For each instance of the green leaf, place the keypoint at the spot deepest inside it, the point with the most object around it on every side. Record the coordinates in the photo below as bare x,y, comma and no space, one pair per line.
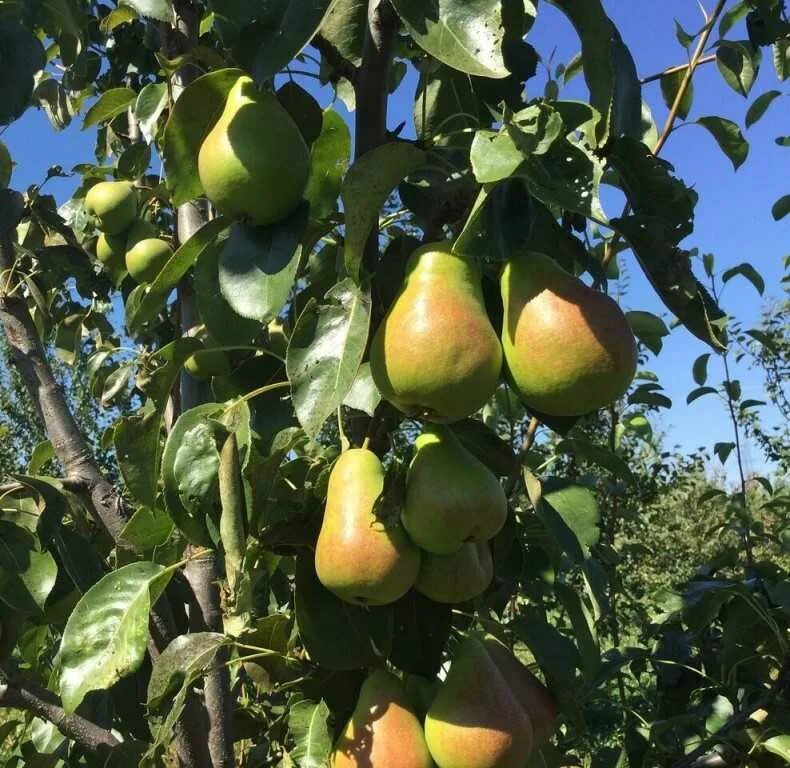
134,162
325,352
759,106
729,137
571,515
584,631
196,467
192,117
344,26
336,634
464,34
42,454
364,395
225,326
303,108
486,445
749,272
329,162
733,389
6,166
308,724
20,51
609,70
700,369
366,188
168,278
670,85
288,28
136,440
732,17
106,634
109,105
184,660
778,745
723,450
161,10
745,405
257,266
644,396
649,329
151,102
739,63
721,711
420,631
781,57
116,17
586,451
781,208
27,575
147,528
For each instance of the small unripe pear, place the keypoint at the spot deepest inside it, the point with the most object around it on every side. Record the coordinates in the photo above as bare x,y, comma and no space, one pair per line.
145,261
254,163
207,363
114,204
110,251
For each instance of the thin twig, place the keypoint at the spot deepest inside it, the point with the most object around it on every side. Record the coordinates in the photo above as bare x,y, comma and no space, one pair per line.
532,430
677,68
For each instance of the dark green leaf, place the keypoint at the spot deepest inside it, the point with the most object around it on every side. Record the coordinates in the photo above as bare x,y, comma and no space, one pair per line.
106,634
746,404
759,106
646,397
6,166
27,575
325,351
23,57
723,450
329,162
670,85
699,392
257,266
137,445
421,629
733,389
193,116
781,56
649,329
344,26
729,138
110,104
781,208
147,528
303,108
700,369
732,16
134,162
739,63
366,188
683,37
586,451
749,272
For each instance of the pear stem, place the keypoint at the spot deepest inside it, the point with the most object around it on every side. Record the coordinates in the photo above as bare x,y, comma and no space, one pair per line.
532,430
366,443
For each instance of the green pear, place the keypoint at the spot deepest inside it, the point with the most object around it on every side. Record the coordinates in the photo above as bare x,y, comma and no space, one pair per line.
436,355
458,577
110,251
383,731
141,229
568,348
476,719
205,364
145,260
114,204
451,497
360,558
254,163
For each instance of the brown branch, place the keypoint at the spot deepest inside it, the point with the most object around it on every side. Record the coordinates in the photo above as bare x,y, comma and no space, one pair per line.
342,66
529,438
677,68
21,694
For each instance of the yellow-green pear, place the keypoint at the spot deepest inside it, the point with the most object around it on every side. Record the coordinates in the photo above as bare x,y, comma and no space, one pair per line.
451,497
383,731
436,355
360,558
114,204
568,348
145,260
140,229
476,719
458,577
205,364
254,163
111,250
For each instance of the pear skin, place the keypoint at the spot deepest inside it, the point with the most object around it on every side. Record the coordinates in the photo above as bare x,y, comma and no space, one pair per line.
458,577
383,731
145,261
360,558
436,355
110,251
141,229
451,497
254,163
114,204
476,720
568,348
205,364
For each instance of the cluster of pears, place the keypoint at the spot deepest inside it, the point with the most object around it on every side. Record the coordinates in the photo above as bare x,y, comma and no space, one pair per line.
440,542
568,349
126,242
490,712
254,162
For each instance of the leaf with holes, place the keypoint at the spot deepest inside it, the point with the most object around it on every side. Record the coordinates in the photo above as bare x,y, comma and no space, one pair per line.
106,634
325,352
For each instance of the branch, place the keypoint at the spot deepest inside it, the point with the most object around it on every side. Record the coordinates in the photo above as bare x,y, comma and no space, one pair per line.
20,694
677,68
342,66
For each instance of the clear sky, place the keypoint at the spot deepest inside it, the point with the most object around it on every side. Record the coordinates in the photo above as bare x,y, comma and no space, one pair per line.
733,217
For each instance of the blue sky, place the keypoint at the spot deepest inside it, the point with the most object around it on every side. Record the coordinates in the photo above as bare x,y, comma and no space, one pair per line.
733,217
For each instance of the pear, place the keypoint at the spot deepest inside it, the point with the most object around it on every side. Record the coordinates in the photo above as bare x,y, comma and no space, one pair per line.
111,250
205,364
360,558
476,719
458,577
141,229
383,731
254,163
435,355
114,204
145,260
451,497
568,348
